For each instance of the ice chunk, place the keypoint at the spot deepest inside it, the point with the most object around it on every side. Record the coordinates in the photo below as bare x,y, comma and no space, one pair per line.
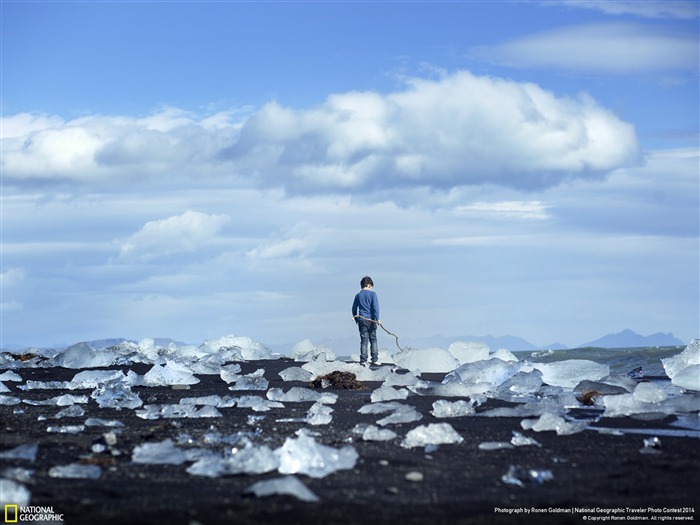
374,433
61,401
550,421
432,434
380,408
300,395
286,485
688,378
172,411
444,408
319,414
212,400
304,456
10,376
520,440
71,411
504,355
492,372
160,453
76,470
3,387
521,384
403,414
250,459
296,373
257,403
94,378
571,372
688,357
230,373
115,394
9,400
249,350
26,451
649,393
13,493
66,429
171,373
468,352
97,422
306,351
388,393
451,389
82,355
253,381
426,360
401,379
495,445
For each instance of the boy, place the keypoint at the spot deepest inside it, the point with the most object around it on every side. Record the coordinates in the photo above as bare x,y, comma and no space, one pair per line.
365,312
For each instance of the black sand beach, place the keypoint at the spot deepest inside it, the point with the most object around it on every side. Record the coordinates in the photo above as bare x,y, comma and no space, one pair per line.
595,475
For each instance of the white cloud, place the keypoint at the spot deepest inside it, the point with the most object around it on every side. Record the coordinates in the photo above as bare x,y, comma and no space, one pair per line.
682,9
614,48
458,131
177,234
12,277
506,209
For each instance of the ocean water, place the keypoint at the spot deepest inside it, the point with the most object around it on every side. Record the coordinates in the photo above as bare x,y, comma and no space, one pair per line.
620,360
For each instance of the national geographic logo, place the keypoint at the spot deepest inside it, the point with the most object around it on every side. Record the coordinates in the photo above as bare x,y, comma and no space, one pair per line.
17,514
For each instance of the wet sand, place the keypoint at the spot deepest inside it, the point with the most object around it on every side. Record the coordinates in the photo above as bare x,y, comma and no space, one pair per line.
458,483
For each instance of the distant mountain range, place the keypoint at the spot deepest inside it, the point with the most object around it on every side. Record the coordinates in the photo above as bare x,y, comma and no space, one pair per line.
349,345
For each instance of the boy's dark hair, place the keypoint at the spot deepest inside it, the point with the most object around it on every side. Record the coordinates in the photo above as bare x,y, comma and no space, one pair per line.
366,281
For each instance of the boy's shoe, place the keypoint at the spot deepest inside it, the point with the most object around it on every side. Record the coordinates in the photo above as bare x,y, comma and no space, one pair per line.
365,364
376,363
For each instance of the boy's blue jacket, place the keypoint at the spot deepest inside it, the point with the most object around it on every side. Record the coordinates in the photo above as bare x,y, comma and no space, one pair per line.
366,304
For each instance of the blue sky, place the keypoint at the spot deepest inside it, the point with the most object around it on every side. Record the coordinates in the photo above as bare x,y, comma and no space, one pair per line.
197,169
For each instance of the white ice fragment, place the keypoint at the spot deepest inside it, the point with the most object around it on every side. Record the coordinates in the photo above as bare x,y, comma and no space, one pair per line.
83,355
94,378
379,408
374,433
171,373
306,351
571,372
115,394
495,445
469,351
304,456
550,421
160,453
71,411
257,403
426,360
504,355
649,393
296,373
491,372
520,440
444,408
521,384
26,451
76,470
388,393
319,414
9,400
230,373
253,381
688,357
404,379
249,350
97,422
212,400
688,378
403,414
432,434
10,376
65,429
286,485
13,493
300,395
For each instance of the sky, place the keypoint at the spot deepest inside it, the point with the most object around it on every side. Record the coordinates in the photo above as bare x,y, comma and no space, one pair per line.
197,169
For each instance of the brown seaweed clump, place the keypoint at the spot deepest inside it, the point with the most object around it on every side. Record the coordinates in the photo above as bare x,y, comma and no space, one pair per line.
337,379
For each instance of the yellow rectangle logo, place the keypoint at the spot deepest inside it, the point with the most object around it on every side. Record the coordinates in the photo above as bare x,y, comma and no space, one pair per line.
11,513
